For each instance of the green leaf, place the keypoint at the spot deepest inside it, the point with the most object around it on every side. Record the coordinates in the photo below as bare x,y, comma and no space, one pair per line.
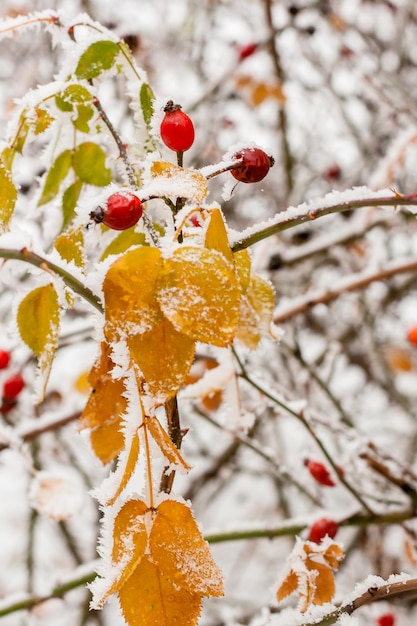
69,201
98,57
40,305
73,94
8,197
90,164
123,242
55,176
85,113
70,246
146,98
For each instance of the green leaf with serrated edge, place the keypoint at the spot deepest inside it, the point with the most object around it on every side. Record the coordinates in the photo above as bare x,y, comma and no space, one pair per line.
98,57
146,98
40,305
89,164
84,114
69,201
70,246
55,176
8,197
42,121
123,242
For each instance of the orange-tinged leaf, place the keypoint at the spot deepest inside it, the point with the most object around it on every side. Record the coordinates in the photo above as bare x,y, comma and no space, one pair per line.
175,181
167,447
149,598
243,266
70,246
199,293
323,586
333,555
131,306
42,306
256,311
164,357
180,551
129,461
216,235
398,359
130,539
104,408
288,586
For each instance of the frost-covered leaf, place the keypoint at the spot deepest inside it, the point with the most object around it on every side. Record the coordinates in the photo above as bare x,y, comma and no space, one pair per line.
146,98
165,444
164,357
69,201
130,538
256,311
40,305
172,180
131,305
216,235
150,598
243,267
104,409
42,121
55,496
89,162
181,552
132,448
99,57
8,197
125,240
71,96
288,586
56,174
199,294
70,246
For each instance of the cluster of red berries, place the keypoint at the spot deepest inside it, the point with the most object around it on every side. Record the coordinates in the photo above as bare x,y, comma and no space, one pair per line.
12,386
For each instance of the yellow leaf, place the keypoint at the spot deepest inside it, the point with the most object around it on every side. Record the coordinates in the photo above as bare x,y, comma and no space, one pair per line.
199,293
125,240
42,307
70,246
180,551
131,306
256,311
398,359
149,598
288,586
167,447
164,357
129,462
104,408
175,181
8,197
243,266
216,235
130,539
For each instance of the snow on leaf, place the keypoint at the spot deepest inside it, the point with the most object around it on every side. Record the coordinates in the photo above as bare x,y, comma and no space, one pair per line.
256,311
149,598
199,294
8,197
89,162
99,56
172,180
104,408
55,496
42,305
216,235
243,267
288,586
131,306
180,551
130,539
130,461
56,174
167,447
164,357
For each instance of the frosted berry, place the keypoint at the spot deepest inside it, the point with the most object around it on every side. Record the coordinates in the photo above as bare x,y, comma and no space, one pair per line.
320,473
4,359
387,619
123,210
254,166
13,386
412,335
177,128
321,528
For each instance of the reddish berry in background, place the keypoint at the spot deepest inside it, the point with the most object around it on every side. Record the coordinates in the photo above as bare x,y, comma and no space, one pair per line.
320,473
247,51
123,210
12,386
387,619
321,528
4,359
177,128
255,165
412,335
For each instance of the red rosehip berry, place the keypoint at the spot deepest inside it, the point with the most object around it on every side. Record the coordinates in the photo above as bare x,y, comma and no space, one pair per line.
254,166
321,528
12,387
177,128
123,210
4,359
320,473
412,336
246,51
387,619
333,172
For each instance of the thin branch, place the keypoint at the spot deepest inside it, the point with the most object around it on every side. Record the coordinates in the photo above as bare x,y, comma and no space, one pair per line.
353,282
